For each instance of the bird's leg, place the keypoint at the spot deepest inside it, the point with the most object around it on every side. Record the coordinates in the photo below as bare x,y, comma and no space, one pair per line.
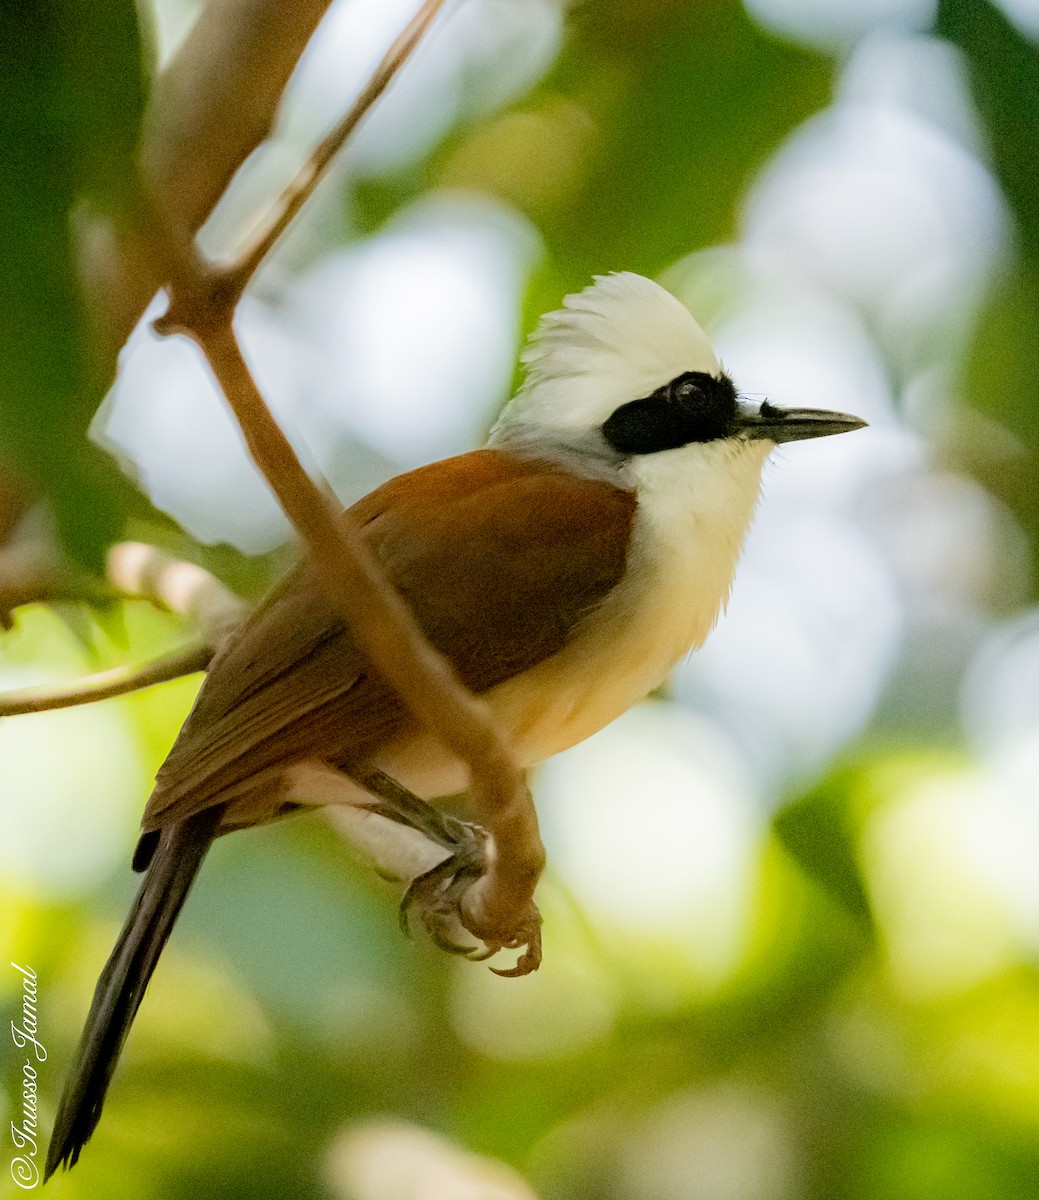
438,893
397,803
406,838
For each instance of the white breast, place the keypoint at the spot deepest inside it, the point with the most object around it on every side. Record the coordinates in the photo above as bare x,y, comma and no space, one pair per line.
695,505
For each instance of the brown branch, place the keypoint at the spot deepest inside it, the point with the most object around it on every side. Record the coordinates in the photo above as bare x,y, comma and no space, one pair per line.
498,907
217,99
119,681
211,107
386,631
185,167
34,573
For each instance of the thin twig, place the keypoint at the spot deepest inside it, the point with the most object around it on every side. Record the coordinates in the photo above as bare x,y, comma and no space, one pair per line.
119,681
141,572
34,573
296,193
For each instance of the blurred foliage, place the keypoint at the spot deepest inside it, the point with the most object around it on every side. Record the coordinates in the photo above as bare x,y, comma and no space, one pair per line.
664,92
835,1059
1004,368
70,110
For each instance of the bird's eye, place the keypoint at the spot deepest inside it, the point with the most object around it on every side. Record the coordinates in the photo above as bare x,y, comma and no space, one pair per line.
694,407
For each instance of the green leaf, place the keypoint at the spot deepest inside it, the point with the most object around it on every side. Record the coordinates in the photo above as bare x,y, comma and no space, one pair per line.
70,110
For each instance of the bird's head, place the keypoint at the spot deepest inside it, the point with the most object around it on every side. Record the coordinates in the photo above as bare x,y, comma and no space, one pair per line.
623,371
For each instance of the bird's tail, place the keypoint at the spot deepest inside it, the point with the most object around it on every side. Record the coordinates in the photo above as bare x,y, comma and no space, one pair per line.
119,991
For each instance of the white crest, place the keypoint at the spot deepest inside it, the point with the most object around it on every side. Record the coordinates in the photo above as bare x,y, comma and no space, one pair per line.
618,340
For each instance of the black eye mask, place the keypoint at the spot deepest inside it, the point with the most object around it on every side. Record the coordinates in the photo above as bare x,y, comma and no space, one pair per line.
694,407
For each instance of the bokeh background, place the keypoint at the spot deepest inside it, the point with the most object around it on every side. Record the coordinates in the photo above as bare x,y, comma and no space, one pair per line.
792,906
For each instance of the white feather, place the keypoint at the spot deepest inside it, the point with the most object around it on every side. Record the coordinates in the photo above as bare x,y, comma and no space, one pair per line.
618,340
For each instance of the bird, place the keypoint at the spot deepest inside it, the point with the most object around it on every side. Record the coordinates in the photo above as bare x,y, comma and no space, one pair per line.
563,569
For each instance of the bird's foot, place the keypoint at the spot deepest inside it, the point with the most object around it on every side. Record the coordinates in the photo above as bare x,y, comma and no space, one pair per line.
437,897
443,897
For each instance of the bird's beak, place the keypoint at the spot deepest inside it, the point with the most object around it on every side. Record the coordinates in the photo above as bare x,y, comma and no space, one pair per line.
765,421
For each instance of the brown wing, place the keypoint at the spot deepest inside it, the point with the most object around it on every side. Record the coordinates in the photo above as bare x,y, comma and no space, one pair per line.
499,558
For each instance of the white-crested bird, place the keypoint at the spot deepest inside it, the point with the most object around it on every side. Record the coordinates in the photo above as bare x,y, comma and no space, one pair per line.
563,570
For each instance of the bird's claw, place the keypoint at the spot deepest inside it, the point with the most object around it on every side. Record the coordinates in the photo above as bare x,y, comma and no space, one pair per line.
529,936
436,895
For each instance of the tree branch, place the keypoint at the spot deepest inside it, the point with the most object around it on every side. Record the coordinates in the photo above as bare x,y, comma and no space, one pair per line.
297,192
387,633
217,99
210,108
119,681
498,907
